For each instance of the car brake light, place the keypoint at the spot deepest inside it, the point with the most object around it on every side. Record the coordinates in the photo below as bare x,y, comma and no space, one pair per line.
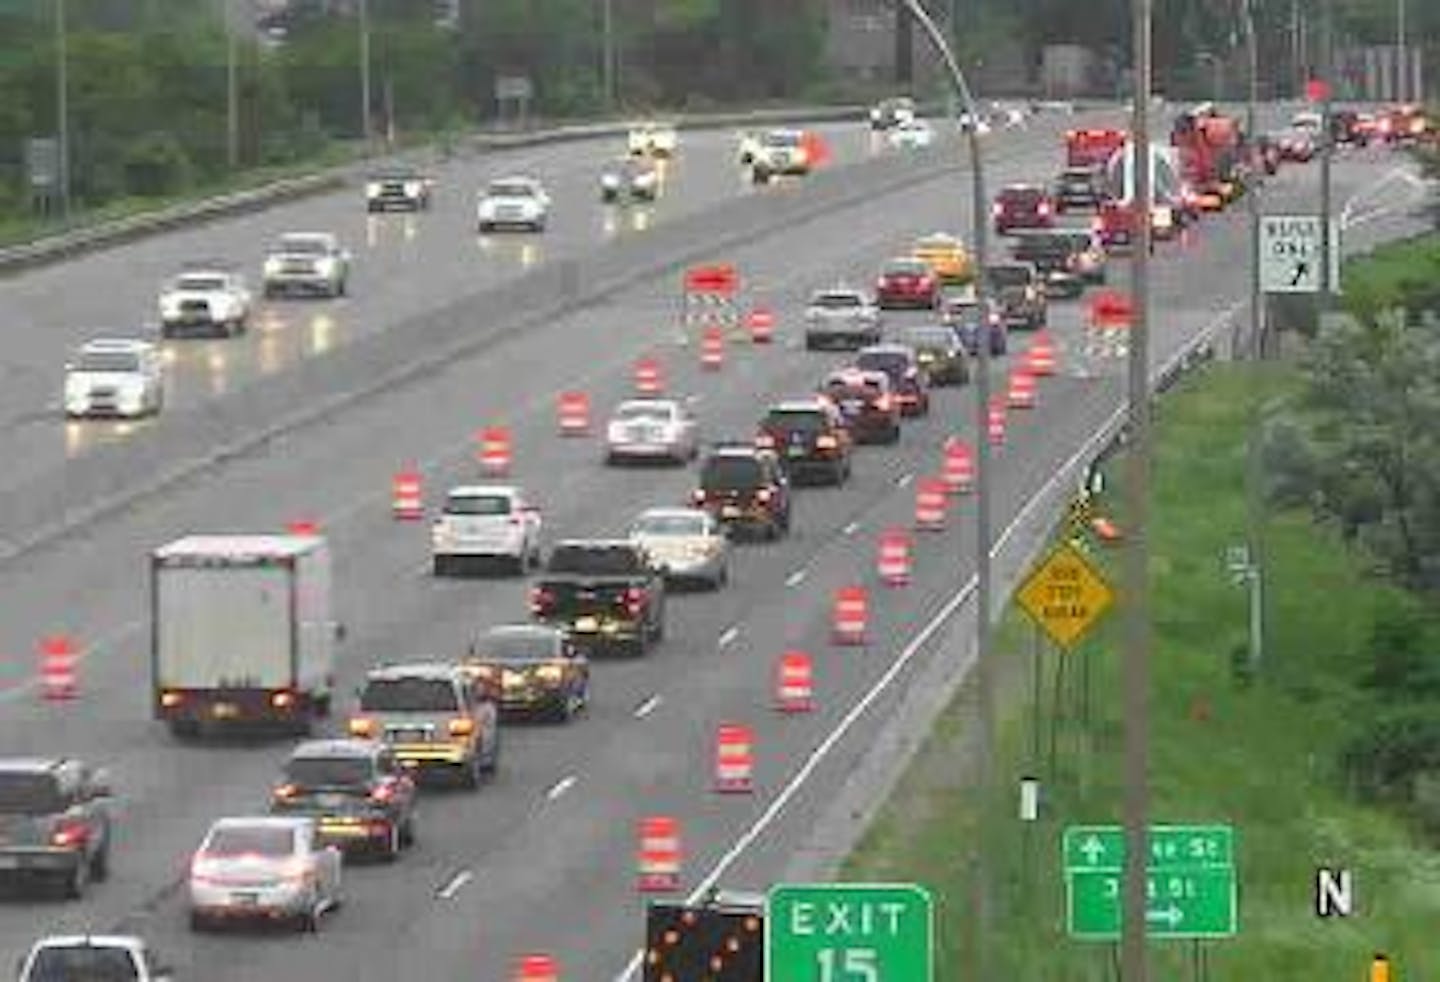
282,700
383,793
462,726
1043,208
541,600
699,495
286,792
998,208
634,599
171,699
361,726
826,442
883,403
765,441
763,495
70,835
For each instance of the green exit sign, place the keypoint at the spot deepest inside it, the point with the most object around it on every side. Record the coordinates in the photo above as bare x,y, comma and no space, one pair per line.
849,932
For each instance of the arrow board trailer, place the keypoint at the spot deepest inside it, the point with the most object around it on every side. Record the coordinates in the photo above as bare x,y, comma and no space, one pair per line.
242,631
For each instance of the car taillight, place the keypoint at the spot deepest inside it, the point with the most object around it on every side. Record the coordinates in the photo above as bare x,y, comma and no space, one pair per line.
361,726
997,209
286,792
171,699
698,495
282,700
70,835
1097,223
765,441
634,599
883,404
384,792
461,726
541,600
1043,208
826,442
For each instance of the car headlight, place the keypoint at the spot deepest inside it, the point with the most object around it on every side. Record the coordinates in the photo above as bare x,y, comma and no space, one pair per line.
372,190
1164,217
610,181
412,189
272,264
549,673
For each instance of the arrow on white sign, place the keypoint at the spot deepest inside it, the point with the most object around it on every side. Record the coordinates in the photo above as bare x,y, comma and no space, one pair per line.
1171,916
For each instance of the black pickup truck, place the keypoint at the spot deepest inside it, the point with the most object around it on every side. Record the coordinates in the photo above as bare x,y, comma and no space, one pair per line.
1054,255
605,592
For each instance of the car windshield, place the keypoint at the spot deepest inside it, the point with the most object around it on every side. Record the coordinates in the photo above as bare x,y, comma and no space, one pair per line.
782,139
29,794
107,361
1022,196
259,840
1077,176
892,363
516,646
598,560
648,411
937,244
836,301
205,283
477,504
1004,276
395,177
929,337
82,963
906,267
731,473
408,695
303,246
789,420
329,772
511,189
669,524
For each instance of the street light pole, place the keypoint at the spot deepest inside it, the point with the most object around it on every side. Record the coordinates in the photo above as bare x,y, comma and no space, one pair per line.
607,53
365,123
1327,148
1402,88
232,95
1254,512
62,109
1137,634
983,539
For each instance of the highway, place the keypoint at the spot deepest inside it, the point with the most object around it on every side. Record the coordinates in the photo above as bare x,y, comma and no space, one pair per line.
542,859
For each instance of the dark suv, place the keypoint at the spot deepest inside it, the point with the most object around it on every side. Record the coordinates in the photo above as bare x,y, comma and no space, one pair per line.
355,790
867,403
54,823
907,381
1078,187
1022,206
745,487
1020,293
810,436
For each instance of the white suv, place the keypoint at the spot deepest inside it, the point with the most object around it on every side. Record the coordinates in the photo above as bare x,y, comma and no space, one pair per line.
653,139
114,377
513,202
206,300
307,262
483,522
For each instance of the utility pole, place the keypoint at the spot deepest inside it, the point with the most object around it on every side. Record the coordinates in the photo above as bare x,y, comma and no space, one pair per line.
62,109
607,53
1402,88
1137,633
232,94
1254,500
1327,146
365,123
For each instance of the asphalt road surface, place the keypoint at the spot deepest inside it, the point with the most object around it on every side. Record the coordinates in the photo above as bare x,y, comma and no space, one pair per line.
543,858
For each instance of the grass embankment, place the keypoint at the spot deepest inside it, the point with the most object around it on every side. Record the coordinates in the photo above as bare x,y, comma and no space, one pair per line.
1262,757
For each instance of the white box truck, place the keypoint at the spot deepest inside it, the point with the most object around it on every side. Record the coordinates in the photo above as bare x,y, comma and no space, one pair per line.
242,631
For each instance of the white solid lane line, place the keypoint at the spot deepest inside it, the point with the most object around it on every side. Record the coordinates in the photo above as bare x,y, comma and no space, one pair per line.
911,649
647,707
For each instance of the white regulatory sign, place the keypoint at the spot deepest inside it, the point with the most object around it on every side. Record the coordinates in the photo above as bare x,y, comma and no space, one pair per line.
1290,254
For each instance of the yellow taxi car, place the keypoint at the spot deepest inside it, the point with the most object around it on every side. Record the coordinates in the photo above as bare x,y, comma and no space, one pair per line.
946,256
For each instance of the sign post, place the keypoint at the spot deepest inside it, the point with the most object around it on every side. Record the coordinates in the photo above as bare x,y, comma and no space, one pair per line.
842,932
1190,882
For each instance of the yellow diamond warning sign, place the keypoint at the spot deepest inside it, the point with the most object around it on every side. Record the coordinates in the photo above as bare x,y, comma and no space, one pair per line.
1065,596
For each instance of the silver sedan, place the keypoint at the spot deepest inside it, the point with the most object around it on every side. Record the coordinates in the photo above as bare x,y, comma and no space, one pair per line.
686,544
652,430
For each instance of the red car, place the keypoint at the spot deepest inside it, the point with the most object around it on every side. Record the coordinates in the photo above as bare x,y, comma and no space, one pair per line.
907,282
1023,206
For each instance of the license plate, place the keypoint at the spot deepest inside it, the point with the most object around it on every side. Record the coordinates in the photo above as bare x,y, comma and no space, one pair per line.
331,800
225,710
730,511
852,406
587,624
245,899
797,451
9,862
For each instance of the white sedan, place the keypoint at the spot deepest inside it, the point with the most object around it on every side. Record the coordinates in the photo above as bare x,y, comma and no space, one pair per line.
651,429
265,868
119,377
514,203
685,543
912,134
205,299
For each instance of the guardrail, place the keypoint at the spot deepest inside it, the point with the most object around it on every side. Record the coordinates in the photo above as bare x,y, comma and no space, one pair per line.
55,248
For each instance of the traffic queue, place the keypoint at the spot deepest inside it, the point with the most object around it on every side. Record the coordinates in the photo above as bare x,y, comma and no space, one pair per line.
243,626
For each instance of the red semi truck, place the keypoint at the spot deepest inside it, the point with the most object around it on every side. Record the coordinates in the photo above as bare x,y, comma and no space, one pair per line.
1210,151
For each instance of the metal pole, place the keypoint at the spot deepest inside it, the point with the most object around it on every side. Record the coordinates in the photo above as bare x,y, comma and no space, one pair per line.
62,108
1402,90
365,125
1254,511
232,95
1327,148
983,538
1136,658
607,53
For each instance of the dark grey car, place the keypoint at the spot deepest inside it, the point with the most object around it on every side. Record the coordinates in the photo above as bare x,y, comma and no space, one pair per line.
54,823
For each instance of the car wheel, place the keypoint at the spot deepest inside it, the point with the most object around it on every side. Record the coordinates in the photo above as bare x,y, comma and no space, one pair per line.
407,831
491,761
308,921
440,566
472,774
394,842
722,578
520,564
810,344
199,923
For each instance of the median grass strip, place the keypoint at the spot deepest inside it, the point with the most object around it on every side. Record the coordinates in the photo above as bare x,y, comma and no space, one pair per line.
1260,756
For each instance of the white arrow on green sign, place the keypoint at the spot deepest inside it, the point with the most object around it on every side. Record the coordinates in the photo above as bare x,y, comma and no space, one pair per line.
1190,881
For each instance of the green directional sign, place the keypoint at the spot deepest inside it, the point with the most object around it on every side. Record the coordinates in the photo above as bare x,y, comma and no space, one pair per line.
849,932
1189,883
